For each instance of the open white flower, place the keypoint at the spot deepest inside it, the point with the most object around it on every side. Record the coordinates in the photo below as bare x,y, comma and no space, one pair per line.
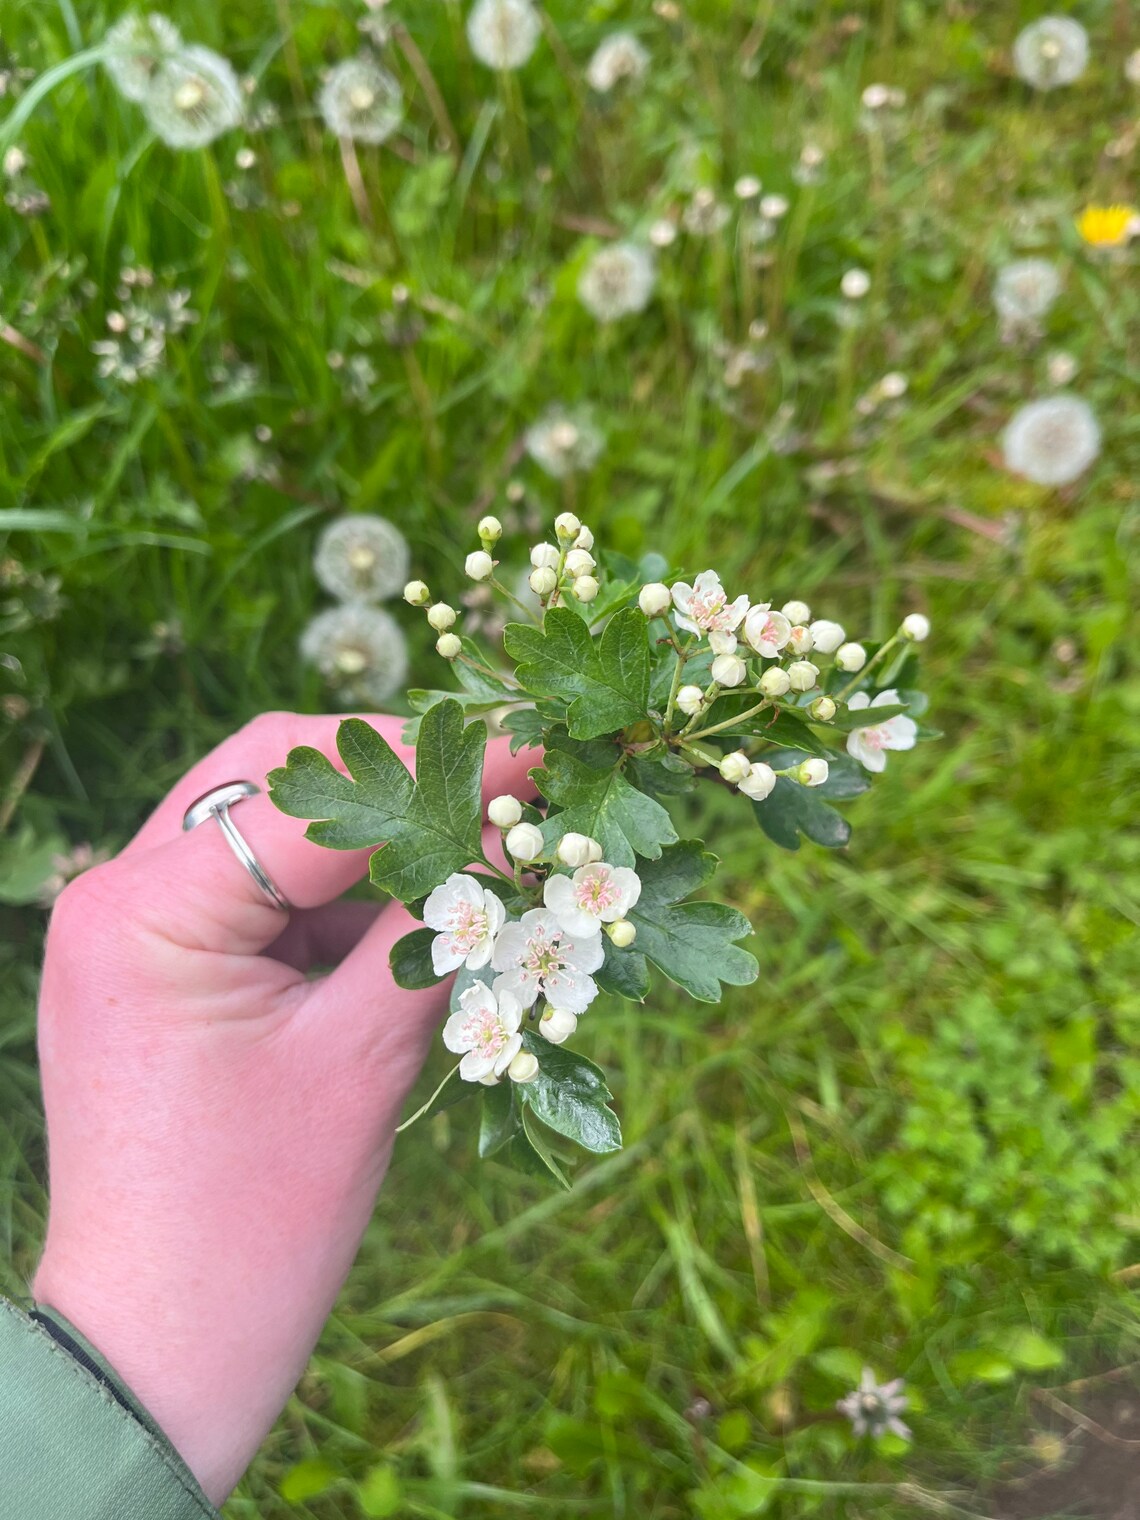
704,606
874,1408
537,958
485,1031
467,918
593,896
869,745
767,631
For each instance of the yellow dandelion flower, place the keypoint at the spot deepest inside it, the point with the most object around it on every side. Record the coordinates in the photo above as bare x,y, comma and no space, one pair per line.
1106,226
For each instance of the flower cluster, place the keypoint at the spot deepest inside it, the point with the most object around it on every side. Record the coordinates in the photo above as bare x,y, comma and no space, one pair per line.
358,647
138,327
189,93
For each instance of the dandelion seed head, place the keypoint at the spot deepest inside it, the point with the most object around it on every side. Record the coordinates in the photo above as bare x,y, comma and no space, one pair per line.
617,282
1052,441
705,216
360,99
564,443
362,558
618,57
1050,52
503,33
1025,290
137,47
194,97
361,651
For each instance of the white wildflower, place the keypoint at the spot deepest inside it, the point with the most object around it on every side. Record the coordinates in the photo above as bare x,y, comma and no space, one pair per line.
723,643
796,612
449,645
538,958
747,187
544,557
593,896
800,639
704,607
490,531
503,33
775,682
466,918
826,636
759,782
855,284
766,631
135,50
564,443
578,849
360,99
1052,441
773,207
485,1031
1025,290
1061,368
195,97
358,649
916,626
663,233
542,581
729,670
851,657
813,772
441,617
803,675
869,745
705,216
524,842
361,558
416,593
874,1408
556,1025
690,699
617,282
618,56
505,811
1050,52
585,588
479,566
735,766
524,1067
893,386
654,599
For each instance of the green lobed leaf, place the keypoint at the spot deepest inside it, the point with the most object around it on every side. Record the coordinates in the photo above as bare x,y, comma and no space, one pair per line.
529,1151
623,973
500,1121
693,943
793,810
430,826
525,728
410,961
606,679
601,803
570,1096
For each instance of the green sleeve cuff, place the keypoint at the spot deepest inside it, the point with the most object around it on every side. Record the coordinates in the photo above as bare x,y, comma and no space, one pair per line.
71,1445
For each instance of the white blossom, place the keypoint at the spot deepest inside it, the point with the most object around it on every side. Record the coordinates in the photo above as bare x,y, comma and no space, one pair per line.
1025,290
543,581
773,207
1052,441
441,617
874,1408
544,557
360,650
654,599
362,558
490,530
479,565
690,699
855,284
585,588
503,33
362,100
1051,51
564,443
567,526
775,682
803,675
579,562
868,745
195,97
796,612
449,645
800,640
556,1025
851,657
916,626
704,607
735,766
537,958
893,386
826,636
729,670
136,48
617,282
766,631
524,842
466,918
813,772
622,933
747,187
618,56
485,1031
578,850
505,811
823,709
759,782
524,1067
595,895
416,594
723,643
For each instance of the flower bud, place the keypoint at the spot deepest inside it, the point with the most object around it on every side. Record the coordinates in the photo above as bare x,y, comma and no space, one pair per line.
448,645
759,781
585,539
796,612
441,617
722,643
585,588
543,581
490,530
735,767
575,850
855,284
595,853
524,842
490,1080
775,682
812,772
729,670
524,1067
556,1025
655,599
690,699
851,657
566,525
579,562
479,566
622,933
822,709
825,636
915,626
416,594
505,811
800,640
803,675
544,557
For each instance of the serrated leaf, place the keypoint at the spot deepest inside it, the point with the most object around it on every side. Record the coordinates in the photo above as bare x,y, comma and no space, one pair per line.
525,728
624,973
529,1151
793,810
410,961
606,679
663,775
430,826
500,1121
603,805
693,943
846,722
570,1096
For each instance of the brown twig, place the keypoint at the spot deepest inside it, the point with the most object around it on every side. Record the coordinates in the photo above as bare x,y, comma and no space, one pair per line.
17,340
419,67
1083,1421
356,182
21,782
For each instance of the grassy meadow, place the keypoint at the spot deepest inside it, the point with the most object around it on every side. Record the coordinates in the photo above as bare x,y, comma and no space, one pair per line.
912,1144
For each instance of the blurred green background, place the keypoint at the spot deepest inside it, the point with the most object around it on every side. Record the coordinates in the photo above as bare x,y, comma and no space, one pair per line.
911,1144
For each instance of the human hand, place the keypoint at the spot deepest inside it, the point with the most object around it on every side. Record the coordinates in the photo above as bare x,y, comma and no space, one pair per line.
219,1124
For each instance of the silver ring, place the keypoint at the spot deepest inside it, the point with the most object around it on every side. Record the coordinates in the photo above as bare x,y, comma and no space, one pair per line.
217,804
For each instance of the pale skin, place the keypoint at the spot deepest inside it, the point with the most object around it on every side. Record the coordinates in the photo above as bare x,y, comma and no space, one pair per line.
219,1124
